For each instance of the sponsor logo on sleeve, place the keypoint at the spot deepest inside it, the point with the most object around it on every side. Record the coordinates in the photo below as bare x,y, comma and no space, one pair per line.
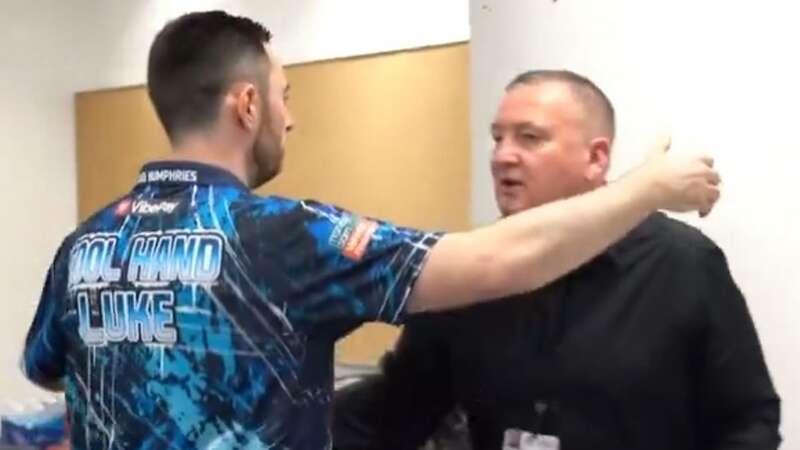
352,235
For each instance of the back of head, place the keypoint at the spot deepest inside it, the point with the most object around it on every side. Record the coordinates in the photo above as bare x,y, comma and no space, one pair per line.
598,107
193,60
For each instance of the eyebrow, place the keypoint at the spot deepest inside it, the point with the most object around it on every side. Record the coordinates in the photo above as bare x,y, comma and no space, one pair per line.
515,125
530,126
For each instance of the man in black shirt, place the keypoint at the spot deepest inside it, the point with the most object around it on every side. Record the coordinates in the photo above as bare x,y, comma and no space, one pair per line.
648,346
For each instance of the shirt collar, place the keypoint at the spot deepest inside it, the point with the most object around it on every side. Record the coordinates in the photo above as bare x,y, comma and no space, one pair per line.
187,172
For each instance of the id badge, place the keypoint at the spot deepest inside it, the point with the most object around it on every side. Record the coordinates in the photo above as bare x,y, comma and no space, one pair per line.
522,440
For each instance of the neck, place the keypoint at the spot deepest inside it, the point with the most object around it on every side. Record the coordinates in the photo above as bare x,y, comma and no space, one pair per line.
206,151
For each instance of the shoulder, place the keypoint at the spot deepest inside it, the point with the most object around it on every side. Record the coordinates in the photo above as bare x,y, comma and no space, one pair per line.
681,235
107,218
689,243
671,238
276,206
305,226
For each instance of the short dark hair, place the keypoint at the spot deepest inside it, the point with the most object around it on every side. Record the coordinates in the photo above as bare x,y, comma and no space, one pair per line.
192,61
592,97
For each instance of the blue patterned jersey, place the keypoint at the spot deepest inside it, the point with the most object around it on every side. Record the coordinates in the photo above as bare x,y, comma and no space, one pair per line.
194,314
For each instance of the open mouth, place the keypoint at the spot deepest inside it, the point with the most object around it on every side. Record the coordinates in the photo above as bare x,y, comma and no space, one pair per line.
508,183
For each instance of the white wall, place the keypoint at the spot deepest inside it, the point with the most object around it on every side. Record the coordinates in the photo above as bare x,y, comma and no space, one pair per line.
116,43
37,191
50,49
720,74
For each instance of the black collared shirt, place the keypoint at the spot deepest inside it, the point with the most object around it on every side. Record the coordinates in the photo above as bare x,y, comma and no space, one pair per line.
649,346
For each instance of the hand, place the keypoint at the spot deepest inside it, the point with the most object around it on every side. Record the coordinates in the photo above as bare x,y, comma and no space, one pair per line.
680,182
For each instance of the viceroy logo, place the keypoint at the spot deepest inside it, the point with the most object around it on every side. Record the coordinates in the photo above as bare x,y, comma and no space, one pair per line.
150,208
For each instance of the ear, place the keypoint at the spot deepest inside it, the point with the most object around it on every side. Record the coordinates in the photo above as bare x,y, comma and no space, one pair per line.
599,157
247,108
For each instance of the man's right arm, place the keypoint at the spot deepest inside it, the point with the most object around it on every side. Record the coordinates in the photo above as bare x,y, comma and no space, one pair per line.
43,359
528,250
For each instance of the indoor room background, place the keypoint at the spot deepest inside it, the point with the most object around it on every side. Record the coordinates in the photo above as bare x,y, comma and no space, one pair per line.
717,75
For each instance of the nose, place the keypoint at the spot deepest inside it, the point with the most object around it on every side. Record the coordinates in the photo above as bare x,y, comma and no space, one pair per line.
504,153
